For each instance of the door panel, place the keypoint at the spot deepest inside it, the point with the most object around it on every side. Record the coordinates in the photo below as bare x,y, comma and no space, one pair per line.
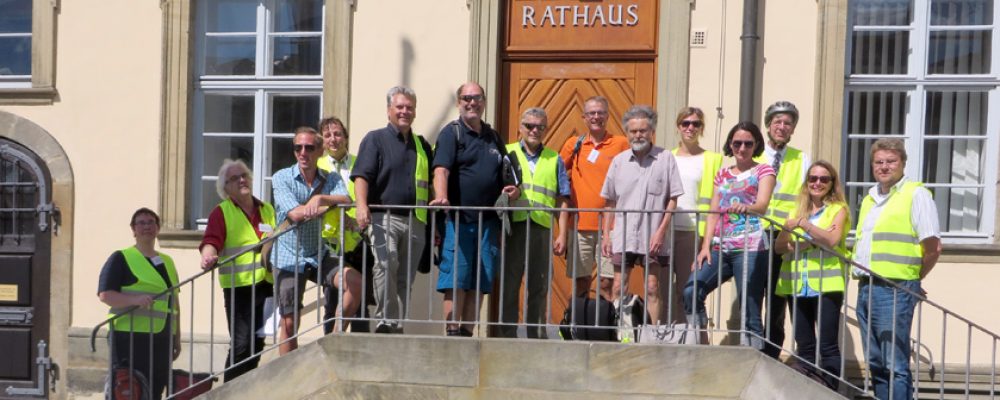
561,88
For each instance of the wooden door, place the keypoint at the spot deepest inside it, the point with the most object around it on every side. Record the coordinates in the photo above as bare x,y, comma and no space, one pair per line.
561,88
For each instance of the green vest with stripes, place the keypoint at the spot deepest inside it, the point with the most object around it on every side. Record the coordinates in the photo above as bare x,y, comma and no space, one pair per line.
331,220
896,252
539,188
246,269
422,178
824,272
149,282
786,191
711,164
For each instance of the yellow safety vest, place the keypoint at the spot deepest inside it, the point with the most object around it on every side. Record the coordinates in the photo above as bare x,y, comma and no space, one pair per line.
149,282
422,178
896,252
540,188
824,271
331,220
789,183
247,268
711,164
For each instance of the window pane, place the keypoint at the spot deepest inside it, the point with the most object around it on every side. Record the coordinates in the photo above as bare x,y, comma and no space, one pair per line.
231,15
854,196
956,113
961,12
230,55
297,55
290,112
217,149
229,114
959,209
298,16
859,161
16,16
880,52
959,162
876,113
15,55
280,149
882,12
209,198
959,52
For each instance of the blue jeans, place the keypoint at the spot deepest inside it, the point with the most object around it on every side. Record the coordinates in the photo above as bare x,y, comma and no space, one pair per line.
707,279
888,343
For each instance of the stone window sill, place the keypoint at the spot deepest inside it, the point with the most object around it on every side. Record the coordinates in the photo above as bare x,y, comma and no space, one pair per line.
180,239
28,96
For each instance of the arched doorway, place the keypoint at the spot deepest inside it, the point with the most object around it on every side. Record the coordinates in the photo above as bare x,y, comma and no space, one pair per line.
26,221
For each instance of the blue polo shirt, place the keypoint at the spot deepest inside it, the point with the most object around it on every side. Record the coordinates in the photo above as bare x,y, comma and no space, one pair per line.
474,163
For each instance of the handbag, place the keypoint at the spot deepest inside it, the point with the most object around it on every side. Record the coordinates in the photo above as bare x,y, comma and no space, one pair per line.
676,333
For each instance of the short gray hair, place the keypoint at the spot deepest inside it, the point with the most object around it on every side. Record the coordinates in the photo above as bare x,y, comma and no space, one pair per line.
536,112
403,90
220,184
640,112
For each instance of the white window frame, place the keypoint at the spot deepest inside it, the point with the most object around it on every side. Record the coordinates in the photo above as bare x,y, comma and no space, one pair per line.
20,81
262,86
917,83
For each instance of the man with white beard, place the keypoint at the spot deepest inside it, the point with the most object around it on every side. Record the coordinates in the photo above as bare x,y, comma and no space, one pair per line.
645,178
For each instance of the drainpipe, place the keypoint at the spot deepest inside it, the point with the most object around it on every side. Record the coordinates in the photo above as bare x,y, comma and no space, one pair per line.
748,61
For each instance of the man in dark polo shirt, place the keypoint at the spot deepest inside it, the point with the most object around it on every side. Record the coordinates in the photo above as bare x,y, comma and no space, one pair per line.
467,172
393,168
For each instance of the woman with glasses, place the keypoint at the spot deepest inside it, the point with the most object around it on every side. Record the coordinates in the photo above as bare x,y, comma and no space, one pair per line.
739,247
697,167
813,278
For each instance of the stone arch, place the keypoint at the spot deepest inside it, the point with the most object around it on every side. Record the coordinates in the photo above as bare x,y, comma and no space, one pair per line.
38,140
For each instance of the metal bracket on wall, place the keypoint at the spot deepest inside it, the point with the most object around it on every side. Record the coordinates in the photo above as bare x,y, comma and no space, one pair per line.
44,365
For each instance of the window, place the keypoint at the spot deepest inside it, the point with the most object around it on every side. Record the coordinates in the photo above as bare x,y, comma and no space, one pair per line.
925,71
258,77
15,43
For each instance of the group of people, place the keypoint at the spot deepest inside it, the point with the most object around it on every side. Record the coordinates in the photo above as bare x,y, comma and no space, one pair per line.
658,204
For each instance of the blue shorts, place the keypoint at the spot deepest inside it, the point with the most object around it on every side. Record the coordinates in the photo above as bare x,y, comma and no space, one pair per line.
465,278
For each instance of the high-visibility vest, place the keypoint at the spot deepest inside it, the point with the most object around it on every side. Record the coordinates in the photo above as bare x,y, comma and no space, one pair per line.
823,271
331,220
896,252
539,188
422,179
711,164
789,183
148,282
247,268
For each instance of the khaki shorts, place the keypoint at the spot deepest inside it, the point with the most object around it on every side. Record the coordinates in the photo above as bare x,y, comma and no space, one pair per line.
588,252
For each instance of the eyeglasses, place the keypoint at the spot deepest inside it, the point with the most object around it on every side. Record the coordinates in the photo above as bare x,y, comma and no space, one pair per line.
880,163
236,178
309,148
696,124
595,113
531,127
824,179
470,97
741,143
144,223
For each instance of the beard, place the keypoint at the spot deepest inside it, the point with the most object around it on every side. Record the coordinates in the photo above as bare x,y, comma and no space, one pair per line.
640,145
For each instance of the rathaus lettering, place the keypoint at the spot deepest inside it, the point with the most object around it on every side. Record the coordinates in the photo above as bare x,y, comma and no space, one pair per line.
559,16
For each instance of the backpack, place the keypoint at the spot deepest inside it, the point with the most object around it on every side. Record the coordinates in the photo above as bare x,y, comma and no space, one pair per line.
592,320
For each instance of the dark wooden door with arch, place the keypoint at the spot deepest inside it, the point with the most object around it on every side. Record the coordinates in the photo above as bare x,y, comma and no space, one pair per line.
25,241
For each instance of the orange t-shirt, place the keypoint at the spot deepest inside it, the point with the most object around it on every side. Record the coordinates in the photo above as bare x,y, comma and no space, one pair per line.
587,172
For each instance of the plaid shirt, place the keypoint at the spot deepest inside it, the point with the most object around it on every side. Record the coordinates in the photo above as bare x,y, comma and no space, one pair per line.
290,191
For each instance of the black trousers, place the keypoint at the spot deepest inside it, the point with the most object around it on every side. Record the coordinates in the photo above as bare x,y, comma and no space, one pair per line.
244,316
776,306
819,316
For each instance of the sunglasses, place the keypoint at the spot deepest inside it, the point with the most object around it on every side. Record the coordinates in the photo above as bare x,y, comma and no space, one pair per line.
696,124
309,148
470,97
824,179
531,127
742,143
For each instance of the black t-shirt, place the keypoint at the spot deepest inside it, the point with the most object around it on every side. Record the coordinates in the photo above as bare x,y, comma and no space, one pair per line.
116,274
474,163
388,163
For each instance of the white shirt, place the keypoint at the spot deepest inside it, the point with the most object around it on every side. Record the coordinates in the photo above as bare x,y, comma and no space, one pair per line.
923,216
691,172
769,153
342,167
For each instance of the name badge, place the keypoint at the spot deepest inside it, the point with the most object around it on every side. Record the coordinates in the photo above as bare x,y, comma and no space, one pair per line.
265,228
592,157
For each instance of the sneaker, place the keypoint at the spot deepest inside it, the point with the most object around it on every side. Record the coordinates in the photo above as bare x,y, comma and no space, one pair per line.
383,328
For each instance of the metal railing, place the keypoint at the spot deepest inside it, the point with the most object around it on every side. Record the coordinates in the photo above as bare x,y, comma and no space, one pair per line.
979,346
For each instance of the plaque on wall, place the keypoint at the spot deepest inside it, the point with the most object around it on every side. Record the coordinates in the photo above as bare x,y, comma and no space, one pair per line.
581,25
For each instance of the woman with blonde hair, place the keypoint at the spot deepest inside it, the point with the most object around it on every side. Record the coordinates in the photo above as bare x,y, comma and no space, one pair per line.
813,277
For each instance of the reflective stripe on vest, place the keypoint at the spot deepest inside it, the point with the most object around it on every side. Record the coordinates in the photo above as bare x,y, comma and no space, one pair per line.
246,269
331,220
539,188
825,272
422,178
148,281
896,252
711,164
786,191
